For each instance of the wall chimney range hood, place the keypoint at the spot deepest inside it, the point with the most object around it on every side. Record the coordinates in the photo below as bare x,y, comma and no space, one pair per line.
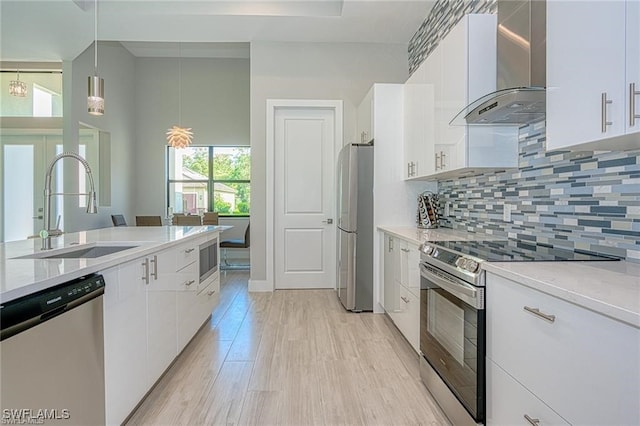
521,80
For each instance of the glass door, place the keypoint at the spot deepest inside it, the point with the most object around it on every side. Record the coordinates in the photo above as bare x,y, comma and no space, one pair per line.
24,160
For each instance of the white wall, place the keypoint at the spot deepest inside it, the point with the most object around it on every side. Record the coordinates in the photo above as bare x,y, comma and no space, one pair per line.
215,104
117,66
342,71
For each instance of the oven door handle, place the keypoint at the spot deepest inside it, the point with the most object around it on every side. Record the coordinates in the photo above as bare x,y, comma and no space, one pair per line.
462,291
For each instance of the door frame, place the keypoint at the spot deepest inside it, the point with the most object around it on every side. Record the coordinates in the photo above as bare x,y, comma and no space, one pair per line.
272,106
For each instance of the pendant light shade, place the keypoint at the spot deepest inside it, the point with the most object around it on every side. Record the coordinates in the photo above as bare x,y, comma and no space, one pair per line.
17,87
178,136
95,98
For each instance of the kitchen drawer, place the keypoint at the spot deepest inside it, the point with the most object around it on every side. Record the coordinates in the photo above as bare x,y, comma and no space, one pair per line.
508,402
208,299
188,278
408,318
187,254
583,365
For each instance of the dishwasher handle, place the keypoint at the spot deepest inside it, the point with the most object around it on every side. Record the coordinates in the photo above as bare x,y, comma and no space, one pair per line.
28,311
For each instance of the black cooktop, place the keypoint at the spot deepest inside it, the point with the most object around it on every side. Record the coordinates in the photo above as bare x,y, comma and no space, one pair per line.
519,251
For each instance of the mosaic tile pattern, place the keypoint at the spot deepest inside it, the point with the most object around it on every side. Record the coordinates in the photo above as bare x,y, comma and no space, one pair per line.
576,200
444,15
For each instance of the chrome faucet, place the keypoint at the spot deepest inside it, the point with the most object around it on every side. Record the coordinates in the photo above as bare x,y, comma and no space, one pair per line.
92,205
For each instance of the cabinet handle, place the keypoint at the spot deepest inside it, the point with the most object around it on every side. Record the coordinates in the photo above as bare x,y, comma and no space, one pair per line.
404,299
409,169
145,265
533,422
437,161
188,283
154,274
442,157
536,312
189,250
405,250
211,292
390,244
414,170
605,101
632,104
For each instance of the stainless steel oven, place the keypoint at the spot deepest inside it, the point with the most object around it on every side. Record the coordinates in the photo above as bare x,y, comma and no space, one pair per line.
452,334
452,316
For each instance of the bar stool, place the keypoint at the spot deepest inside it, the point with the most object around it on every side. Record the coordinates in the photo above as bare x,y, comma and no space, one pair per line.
118,220
148,221
235,244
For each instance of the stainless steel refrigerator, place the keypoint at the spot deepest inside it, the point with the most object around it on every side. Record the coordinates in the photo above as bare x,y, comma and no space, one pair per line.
355,227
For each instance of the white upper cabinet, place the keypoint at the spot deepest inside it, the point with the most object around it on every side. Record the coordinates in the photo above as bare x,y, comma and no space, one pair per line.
365,119
419,118
461,69
592,64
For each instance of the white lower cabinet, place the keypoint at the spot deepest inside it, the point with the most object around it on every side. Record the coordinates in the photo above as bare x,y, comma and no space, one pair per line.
125,340
152,309
161,314
510,403
583,365
402,287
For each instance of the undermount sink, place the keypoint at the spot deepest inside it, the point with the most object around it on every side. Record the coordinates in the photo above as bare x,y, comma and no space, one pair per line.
86,251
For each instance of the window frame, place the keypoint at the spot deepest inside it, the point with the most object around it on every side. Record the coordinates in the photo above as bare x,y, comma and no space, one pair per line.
210,182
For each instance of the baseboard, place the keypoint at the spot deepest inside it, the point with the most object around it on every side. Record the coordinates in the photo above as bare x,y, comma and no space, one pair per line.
260,285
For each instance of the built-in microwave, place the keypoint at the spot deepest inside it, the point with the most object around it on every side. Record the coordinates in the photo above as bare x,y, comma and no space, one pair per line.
208,259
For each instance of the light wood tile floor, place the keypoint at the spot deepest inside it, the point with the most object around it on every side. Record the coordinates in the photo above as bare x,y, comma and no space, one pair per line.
293,357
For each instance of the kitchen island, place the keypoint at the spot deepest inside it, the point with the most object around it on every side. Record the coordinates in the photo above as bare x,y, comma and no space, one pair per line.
160,285
20,277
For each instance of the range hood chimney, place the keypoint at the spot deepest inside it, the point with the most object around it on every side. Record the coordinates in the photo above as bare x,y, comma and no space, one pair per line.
520,97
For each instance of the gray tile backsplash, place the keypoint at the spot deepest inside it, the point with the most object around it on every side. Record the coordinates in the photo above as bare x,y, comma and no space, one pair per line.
444,15
577,200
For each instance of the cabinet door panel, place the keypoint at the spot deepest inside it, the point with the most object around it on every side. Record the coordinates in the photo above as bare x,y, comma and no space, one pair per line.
633,62
125,334
162,329
390,300
584,60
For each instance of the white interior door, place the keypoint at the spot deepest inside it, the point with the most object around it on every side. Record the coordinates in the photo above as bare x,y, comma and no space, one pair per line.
304,238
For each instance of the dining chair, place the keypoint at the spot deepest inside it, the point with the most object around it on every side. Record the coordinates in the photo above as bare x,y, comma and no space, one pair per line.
188,220
118,220
148,221
210,218
235,244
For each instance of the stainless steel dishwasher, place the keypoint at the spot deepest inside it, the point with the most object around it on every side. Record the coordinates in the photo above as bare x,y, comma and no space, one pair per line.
52,356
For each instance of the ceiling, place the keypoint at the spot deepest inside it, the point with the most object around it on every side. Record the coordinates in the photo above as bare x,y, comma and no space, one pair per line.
54,30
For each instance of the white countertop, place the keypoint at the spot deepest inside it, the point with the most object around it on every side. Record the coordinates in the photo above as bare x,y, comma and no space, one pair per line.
609,288
20,277
418,236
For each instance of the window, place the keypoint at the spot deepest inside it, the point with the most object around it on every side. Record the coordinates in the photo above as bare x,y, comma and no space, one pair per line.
42,102
209,178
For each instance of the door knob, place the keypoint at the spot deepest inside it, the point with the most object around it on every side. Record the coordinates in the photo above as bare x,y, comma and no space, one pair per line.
329,221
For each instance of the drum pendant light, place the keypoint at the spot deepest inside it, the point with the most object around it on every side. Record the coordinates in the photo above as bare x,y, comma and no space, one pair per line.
178,136
17,87
95,99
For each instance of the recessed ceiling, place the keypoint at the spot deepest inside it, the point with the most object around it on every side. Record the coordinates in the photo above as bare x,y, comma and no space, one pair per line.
54,30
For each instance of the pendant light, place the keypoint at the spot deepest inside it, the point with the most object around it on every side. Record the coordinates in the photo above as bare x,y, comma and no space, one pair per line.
95,99
178,136
17,87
